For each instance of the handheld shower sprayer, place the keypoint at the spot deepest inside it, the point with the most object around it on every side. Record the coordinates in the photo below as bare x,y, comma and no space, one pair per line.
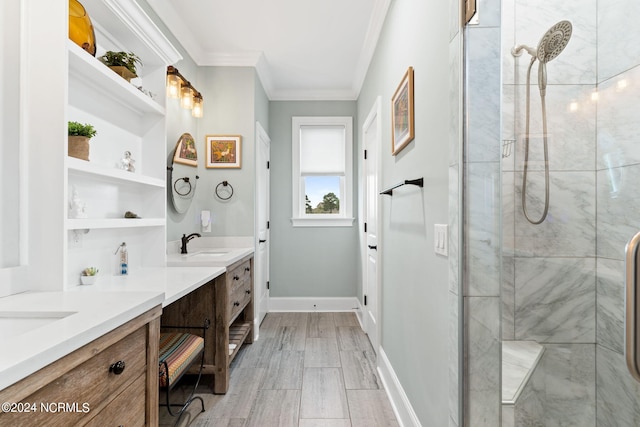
551,45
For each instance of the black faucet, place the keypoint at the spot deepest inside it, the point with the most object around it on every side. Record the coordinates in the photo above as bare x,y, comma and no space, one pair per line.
185,239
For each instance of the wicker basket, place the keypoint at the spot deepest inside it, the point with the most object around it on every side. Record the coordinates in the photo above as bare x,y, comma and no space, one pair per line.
78,147
123,72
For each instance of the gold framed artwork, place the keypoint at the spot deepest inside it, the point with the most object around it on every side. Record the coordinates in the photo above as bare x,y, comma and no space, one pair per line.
224,151
186,152
402,115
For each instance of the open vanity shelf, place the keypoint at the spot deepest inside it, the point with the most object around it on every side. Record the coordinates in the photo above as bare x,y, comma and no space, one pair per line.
126,119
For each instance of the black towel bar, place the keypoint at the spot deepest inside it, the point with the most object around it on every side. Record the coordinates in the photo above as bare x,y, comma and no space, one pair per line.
419,182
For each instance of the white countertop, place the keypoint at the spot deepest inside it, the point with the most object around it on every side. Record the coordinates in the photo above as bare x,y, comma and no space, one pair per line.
173,282
199,256
90,311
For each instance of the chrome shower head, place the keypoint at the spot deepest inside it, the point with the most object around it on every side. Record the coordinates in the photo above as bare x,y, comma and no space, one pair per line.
554,41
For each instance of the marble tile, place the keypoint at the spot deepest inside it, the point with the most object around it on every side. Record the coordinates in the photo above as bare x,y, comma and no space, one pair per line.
508,261
508,143
454,230
611,297
488,13
508,41
571,128
284,371
618,118
454,357
618,204
569,229
455,100
370,408
561,391
323,394
519,360
577,63
507,297
321,353
617,391
275,408
618,33
508,416
555,300
359,370
482,392
483,95
482,227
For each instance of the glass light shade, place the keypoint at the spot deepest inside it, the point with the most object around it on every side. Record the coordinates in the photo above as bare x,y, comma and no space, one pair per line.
186,97
173,86
80,27
198,109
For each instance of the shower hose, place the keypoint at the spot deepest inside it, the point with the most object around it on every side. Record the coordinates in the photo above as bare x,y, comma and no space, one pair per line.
526,151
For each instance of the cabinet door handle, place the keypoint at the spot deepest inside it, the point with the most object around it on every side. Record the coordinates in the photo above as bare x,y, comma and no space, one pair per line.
236,277
118,367
247,269
248,292
236,303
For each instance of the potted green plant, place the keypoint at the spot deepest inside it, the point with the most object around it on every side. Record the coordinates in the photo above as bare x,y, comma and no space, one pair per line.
78,137
122,63
89,276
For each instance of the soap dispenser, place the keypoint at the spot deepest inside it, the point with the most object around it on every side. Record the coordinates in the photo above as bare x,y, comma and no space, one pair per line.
122,260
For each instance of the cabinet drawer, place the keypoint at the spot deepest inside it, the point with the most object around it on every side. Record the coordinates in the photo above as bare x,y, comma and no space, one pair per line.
239,297
125,410
239,274
90,384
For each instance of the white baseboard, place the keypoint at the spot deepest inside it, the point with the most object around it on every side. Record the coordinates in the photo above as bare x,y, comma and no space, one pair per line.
313,304
405,414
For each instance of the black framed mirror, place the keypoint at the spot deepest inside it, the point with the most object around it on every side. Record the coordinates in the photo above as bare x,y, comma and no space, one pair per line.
183,173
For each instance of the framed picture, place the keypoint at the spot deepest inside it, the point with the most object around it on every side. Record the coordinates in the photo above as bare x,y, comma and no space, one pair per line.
185,152
402,116
224,151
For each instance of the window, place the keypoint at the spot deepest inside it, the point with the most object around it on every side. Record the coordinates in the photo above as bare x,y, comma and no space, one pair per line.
322,171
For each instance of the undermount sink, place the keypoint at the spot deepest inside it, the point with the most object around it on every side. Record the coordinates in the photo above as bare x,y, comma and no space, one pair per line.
209,253
13,323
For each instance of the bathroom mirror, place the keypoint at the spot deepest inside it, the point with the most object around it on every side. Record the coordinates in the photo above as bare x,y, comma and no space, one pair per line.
183,173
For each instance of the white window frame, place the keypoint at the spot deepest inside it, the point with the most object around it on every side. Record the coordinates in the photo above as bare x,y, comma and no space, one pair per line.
299,216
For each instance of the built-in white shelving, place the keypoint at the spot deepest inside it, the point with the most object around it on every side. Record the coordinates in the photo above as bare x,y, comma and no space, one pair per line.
83,168
90,224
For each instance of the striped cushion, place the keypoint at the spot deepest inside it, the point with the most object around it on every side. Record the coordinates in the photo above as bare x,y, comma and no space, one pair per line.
178,349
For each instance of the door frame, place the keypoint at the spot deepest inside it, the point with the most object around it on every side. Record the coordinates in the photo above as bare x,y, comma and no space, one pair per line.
374,118
261,138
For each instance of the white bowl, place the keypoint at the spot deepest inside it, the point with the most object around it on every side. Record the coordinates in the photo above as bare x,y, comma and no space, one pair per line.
88,280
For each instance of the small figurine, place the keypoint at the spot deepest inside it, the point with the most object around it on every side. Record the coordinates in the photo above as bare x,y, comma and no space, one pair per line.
128,163
77,208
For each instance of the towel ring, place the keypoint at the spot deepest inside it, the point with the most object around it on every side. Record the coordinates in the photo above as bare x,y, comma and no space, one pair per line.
226,188
186,180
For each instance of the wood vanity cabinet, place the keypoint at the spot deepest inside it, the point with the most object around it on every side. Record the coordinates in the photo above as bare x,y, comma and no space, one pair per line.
227,301
88,388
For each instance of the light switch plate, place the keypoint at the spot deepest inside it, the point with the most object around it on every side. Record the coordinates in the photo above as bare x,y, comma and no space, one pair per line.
441,239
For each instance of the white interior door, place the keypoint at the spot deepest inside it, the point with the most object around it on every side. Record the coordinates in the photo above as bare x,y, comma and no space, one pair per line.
261,278
371,143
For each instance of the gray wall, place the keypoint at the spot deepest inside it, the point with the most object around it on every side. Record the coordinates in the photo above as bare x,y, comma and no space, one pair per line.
306,261
415,303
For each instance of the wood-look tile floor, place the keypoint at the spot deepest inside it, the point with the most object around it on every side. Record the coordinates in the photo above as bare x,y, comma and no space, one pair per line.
306,370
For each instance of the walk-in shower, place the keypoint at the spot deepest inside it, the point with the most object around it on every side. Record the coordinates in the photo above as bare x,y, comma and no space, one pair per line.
551,45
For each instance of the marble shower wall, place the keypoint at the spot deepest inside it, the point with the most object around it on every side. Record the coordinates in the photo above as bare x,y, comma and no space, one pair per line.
549,270
618,203
481,219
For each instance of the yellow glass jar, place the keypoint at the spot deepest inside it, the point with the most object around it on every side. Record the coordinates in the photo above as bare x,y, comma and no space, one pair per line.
80,27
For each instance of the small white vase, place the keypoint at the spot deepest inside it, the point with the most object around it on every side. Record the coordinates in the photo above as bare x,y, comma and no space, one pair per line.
88,280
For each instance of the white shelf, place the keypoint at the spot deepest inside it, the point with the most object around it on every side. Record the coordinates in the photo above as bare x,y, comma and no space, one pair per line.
81,167
95,223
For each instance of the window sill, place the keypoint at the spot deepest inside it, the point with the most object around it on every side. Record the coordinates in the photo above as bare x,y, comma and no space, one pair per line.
322,222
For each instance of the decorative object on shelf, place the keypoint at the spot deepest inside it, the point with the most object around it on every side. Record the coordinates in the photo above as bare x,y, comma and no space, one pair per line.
128,163
179,87
78,138
402,115
122,260
80,27
185,152
89,276
224,190
122,63
77,208
224,151
129,214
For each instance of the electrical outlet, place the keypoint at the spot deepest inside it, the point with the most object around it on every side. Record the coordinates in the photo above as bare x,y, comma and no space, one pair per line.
441,239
